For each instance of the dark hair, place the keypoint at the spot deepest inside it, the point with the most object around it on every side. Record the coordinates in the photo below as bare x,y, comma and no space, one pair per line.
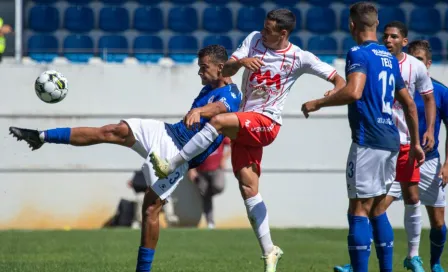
216,52
284,18
400,26
364,15
420,45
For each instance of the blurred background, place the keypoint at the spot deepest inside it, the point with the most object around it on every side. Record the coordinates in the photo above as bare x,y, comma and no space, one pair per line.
128,59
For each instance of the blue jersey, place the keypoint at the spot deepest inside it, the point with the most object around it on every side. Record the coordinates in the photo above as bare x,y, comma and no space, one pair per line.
229,95
370,117
441,99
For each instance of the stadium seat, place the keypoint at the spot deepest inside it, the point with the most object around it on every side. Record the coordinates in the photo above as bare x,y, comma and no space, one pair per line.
45,1
183,1
79,2
148,19
249,2
217,19
347,43
389,2
424,2
114,19
113,2
287,3
43,18
344,20
182,48
296,40
113,48
389,14
149,2
320,20
325,47
425,20
43,47
78,48
78,19
148,49
182,19
250,19
349,2
446,19
320,2
221,40
218,2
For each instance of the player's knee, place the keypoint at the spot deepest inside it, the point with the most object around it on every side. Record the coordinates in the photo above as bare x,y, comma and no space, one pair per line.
411,199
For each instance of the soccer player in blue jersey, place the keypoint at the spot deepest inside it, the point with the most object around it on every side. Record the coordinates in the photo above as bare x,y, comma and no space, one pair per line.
144,136
373,79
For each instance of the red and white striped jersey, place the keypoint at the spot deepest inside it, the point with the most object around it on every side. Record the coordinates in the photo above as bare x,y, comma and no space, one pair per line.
266,90
416,77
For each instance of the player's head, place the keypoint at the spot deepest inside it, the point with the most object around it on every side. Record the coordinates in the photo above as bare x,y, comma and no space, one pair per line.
278,25
395,37
211,60
363,18
422,51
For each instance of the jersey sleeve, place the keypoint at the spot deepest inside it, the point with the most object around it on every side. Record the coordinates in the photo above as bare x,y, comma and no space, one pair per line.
314,66
356,61
424,83
243,49
230,97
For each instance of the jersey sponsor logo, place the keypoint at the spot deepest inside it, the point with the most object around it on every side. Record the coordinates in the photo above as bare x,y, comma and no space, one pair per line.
247,123
354,48
262,129
266,78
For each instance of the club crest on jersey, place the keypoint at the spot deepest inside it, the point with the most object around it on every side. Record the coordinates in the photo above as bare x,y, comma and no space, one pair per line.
286,67
210,100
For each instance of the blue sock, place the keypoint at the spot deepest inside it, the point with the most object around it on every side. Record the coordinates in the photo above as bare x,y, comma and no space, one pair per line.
358,239
438,238
383,235
58,135
144,260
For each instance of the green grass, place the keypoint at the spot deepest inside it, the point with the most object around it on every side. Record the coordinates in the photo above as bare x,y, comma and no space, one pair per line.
182,250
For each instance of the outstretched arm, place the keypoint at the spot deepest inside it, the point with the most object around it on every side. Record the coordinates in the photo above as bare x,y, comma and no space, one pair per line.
338,83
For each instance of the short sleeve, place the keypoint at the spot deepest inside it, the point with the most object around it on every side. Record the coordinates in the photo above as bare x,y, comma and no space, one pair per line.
356,61
230,96
314,66
243,49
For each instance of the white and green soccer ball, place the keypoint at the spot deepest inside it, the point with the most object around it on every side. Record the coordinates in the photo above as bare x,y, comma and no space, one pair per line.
51,87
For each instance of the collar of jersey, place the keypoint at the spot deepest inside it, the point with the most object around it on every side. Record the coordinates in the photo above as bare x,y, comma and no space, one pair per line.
369,42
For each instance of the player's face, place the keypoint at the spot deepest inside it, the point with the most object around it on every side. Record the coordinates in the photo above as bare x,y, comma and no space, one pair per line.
209,71
393,40
270,36
421,55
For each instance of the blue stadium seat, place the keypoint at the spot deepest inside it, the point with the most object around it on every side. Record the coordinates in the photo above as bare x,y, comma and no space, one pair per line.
320,20
250,19
446,20
424,2
79,2
217,19
182,48
148,19
389,14
389,2
43,18
249,2
149,2
182,1
325,47
45,1
78,48
113,48
114,19
347,43
183,19
218,2
287,3
78,19
349,2
113,2
344,20
296,40
425,20
148,49
221,40
320,2
43,47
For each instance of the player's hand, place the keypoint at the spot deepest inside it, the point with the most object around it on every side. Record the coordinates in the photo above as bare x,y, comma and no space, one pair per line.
443,174
253,64
193,175
310,106
193,118
416,154
428,141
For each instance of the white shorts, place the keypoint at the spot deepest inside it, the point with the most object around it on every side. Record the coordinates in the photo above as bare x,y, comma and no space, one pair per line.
152,136
369,170
430,192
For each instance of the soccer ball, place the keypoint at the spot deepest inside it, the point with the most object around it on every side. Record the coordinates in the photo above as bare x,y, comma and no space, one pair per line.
51,87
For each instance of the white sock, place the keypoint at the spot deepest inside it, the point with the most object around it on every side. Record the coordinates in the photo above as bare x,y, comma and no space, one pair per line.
198,144
42,136
258,217
413,226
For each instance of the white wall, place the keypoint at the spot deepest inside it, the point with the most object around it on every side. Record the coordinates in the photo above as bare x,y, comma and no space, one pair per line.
303,181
